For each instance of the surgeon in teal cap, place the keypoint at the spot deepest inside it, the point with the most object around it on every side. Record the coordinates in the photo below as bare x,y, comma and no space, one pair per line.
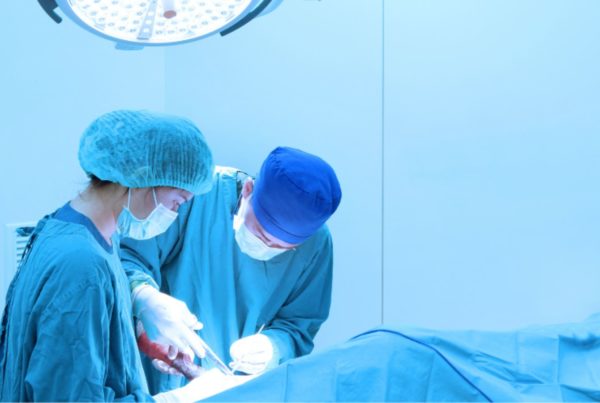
67,330
252,259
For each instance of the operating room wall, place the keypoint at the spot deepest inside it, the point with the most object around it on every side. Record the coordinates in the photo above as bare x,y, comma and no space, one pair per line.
464,133
55,80
492,146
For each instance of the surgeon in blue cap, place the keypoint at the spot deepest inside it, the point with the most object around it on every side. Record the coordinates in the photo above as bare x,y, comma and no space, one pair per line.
252,259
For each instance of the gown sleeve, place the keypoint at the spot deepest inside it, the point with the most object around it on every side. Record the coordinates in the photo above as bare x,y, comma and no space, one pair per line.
299,319
71,358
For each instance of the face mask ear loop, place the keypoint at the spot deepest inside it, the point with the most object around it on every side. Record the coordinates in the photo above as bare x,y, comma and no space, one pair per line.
129,199
154,194
247,200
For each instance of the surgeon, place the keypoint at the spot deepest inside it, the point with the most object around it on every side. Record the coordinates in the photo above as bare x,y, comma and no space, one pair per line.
252,259
67,331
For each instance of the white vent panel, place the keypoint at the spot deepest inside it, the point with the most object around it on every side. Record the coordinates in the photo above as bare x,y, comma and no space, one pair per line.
16,238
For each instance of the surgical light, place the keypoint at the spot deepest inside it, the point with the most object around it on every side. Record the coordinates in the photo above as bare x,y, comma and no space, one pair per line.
138,23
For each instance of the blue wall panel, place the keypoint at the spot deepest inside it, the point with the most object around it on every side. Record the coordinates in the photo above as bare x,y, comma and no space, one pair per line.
491,162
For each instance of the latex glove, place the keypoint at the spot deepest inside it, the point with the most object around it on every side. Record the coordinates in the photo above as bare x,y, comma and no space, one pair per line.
206,385
251,354
167,359
167,320
165,368
170,351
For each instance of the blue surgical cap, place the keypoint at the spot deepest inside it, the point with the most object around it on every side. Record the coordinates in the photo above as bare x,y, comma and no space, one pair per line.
294,194
144,149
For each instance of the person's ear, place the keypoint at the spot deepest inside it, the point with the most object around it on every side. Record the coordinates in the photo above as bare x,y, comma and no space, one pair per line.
247,188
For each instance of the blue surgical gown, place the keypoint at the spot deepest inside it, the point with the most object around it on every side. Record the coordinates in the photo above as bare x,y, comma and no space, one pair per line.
197,260
67,327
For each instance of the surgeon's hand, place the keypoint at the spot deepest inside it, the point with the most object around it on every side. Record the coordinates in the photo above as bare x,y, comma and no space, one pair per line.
252,354
167,320
155,350
165,368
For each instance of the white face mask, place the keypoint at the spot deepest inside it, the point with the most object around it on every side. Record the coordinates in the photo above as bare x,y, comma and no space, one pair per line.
249,243
129,226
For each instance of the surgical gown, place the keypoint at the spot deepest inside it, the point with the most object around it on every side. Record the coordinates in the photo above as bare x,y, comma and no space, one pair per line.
67,327
555,363
197,260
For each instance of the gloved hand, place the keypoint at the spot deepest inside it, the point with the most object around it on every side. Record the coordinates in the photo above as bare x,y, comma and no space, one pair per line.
169,351
166,359
165,368
206,385
252,354
167,320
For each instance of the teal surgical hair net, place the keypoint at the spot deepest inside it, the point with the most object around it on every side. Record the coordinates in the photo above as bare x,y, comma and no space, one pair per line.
139,149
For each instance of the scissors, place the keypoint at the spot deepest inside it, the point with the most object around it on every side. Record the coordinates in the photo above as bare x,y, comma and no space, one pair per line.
210,354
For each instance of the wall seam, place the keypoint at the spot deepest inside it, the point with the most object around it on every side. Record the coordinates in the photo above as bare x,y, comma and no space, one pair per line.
382,161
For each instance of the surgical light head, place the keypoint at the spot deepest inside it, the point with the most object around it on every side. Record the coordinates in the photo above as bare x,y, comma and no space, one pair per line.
137,23
139,149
